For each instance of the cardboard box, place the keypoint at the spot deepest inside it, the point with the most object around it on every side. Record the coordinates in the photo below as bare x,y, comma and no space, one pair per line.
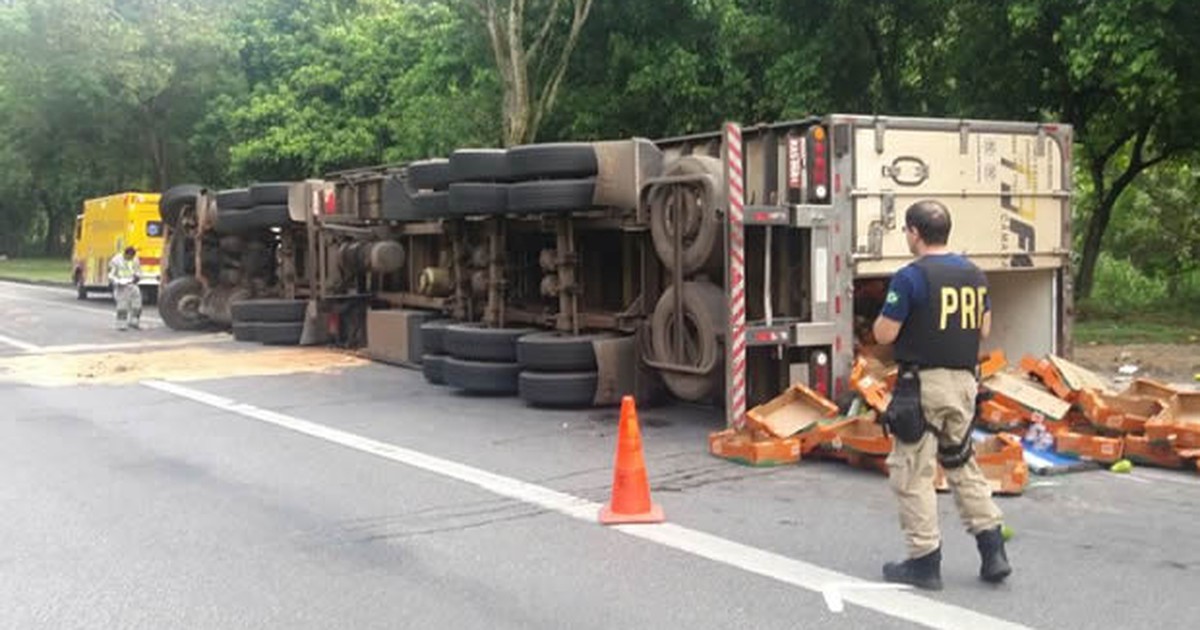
1048,375
994,415
863,436
1142,450
1105,450
1002,460
743,447
1118,413
797,409
1179,420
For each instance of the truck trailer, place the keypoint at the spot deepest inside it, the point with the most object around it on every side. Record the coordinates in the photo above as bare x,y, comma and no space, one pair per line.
718,267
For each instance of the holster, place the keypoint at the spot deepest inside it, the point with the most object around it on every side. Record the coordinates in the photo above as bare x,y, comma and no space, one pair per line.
903,417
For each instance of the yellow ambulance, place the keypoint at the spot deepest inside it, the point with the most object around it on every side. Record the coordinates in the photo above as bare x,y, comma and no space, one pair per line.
107,226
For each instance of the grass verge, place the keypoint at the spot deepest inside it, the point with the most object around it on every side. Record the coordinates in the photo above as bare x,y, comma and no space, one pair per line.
56,270
1157,327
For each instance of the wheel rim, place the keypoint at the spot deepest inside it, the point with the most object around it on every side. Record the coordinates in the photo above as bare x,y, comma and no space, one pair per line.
189,307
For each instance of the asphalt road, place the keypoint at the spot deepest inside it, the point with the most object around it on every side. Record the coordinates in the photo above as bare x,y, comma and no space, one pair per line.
368,499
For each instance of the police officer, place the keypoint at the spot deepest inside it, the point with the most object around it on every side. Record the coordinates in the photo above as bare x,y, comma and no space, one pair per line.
935,312
124,273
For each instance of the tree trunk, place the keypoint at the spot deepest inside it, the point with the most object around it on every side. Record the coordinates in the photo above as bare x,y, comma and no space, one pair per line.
54,234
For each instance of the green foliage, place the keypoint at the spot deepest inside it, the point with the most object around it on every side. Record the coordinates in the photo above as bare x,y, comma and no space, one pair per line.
103,95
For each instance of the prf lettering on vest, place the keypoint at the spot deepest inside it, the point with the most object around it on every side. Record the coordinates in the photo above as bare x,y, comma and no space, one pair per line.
967,302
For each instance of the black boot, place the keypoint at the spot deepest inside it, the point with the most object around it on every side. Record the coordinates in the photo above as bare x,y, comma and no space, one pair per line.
924,572
994,567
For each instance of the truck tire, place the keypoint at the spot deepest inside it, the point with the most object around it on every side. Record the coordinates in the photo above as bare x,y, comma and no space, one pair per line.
245,331
433,366
433,335
278,333
558,389
482,377
476,343
562,160
705,317
558,352
253,219
700,222
175,200
234,199
479,165
179,304
562,195
429,174
269,310
473,198
431,205
270,194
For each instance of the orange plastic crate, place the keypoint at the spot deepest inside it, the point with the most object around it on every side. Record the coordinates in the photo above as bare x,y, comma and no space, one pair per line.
1180,420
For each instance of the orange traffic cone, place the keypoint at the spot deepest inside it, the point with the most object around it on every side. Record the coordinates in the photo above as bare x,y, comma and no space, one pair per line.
631,489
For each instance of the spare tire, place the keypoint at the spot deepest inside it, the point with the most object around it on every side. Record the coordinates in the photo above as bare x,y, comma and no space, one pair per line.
429,174
479,165
472,198
559,352
173,202
269,310
553,160
563,195
705,317
234,199
433,335
278,333
686,207
471,341
482,377
433,366
558,389
179,304
270,194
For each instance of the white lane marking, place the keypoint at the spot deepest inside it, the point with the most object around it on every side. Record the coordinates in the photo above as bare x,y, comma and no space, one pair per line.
18,344
894,603
134,345
71,307
833,592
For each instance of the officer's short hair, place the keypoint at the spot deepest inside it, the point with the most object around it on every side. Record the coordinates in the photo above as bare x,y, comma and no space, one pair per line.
930,219
129,251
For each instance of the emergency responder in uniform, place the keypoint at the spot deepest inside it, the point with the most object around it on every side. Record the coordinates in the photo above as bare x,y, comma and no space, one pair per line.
936,311
124,273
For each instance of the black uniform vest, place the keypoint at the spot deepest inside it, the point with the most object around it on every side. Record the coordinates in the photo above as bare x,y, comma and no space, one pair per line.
944,331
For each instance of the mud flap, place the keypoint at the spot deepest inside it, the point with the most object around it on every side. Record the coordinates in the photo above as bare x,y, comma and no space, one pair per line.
315,333
620,372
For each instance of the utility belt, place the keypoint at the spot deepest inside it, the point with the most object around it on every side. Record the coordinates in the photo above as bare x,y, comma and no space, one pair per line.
905,420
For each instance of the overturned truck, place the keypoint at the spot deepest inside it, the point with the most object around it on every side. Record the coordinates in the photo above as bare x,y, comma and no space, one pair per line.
718,267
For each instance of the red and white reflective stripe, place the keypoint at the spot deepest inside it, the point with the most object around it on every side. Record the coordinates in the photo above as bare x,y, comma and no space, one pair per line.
736,340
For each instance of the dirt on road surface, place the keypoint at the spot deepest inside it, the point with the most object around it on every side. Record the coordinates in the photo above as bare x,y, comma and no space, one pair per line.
183,364
1174,363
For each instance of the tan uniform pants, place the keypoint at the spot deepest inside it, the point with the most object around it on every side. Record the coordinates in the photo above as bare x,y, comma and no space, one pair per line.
948,401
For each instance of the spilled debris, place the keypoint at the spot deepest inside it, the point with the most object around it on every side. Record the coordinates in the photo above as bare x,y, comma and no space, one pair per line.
1043,415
